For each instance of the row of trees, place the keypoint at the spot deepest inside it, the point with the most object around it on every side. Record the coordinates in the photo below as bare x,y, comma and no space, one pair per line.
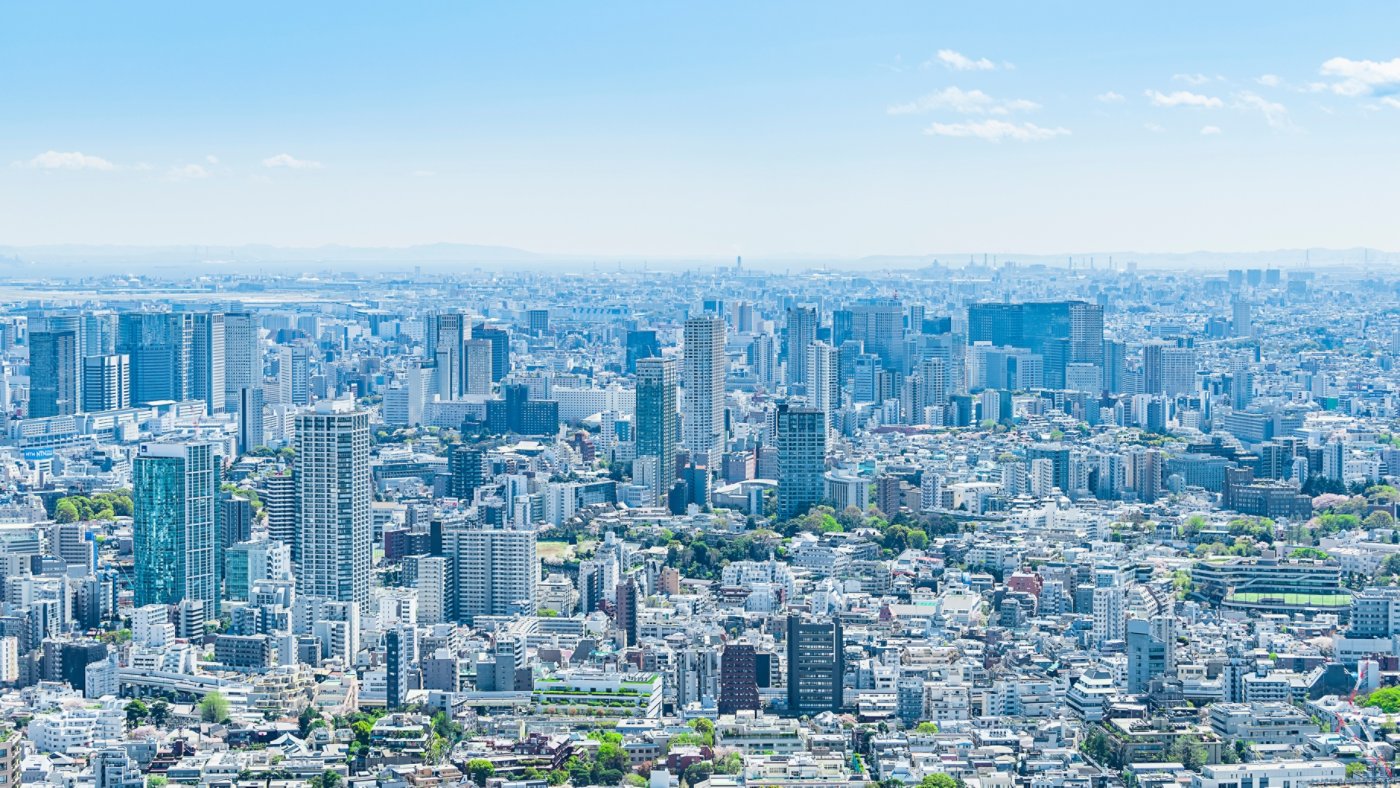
100,506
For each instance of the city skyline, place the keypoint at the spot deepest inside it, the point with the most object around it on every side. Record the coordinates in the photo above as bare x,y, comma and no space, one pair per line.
780,130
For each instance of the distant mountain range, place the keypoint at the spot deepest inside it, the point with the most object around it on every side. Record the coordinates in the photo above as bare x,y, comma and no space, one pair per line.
82,260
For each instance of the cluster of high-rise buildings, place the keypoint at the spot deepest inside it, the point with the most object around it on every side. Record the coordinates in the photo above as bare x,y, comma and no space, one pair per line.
1017,526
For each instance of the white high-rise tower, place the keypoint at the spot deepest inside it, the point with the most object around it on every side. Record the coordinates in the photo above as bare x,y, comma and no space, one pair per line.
705,368
334,528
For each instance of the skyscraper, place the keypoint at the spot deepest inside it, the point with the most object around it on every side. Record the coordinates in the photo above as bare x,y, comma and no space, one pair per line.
293,375
106,383
801,460
466,465
279,497
477,378
250,418
500,349
243,363
703,430
53,376
448,333
816,666
801,332
160,346
879,323
657,423
207,361
331,470
823,379
496,571
173,539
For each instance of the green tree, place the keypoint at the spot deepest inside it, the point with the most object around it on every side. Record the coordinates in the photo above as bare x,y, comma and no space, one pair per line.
160,714
926,727
938,781
136,712
326,779
66,511
480,770
1387,699
213,707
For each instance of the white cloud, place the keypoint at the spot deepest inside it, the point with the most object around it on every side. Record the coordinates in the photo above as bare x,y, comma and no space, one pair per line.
70,160
995,131
1155,128
1182,98
1391,101
1191,79
1208,131
1363,77
212,159
1274,113
1269,80
1111,97
289,161
957,61
966,102
189,172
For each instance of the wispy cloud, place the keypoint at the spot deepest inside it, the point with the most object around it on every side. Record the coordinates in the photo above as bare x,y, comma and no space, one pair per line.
1274,113
957,61
1363,77
67,160
966,102
1269,80
996,131
1209,131
189,172
291,162
1155,128
212,159
1182,98
1111,97
1191,79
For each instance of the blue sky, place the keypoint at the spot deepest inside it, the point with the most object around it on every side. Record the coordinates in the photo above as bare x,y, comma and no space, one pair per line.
714,129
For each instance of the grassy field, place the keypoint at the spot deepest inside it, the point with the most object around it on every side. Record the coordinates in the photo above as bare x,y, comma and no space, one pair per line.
563,551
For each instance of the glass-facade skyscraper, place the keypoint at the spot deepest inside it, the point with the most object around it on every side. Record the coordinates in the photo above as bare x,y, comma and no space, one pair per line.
657,422
173,528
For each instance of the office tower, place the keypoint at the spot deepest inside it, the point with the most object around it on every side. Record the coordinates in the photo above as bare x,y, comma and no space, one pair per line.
801,332
207,361
293,376
496,571
447,334
823,379
1241,322
842,327
250,419
99,334
279,497
702,430
879,324
467,467
801,460
53,373
625,611
816,666
1114,365
500,349
243,362
738,679
160,346
763,357
656,420
537,320
396,668
744,321
235,519
997,324
331,469
249,562
1147,655
640,344
1168,369
1058,455
478,367
106,383
173,539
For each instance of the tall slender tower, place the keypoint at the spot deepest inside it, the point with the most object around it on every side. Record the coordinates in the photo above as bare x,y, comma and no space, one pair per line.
243,363
657,423
172,528
331,469
207,362
801,332
447,338
703,430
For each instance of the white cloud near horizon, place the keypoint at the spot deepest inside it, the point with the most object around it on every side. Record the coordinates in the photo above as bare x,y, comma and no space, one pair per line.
966,102
291,162
1111,97
996,131
1182,98
957,61
1275,114
1208,131
68,160
1362,77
